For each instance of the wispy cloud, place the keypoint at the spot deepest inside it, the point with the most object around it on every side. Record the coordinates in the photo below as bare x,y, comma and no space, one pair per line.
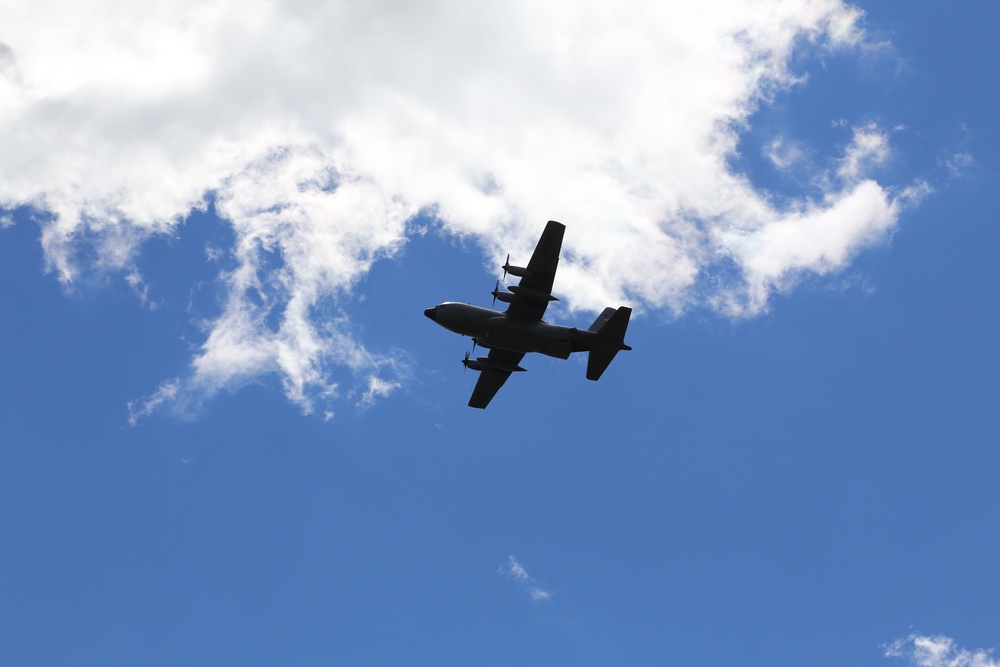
958,163
320,132
939,651
377,388
166,393
140,289
868,149
514,570
784,154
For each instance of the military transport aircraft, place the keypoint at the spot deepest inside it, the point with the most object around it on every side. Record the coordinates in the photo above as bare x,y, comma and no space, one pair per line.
512,334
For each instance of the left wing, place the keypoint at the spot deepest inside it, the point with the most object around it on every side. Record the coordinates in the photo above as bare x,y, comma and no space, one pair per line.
492,377
532,294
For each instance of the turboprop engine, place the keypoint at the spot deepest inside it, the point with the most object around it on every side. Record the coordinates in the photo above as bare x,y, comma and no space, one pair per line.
485,364
518,271
522,292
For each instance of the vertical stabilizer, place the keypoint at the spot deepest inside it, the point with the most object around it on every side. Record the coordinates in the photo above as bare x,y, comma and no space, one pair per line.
602,319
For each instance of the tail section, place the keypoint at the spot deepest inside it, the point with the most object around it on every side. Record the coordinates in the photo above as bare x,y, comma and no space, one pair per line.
610,329
602,319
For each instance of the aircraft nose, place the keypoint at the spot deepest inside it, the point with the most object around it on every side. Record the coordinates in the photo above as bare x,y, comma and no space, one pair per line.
431,313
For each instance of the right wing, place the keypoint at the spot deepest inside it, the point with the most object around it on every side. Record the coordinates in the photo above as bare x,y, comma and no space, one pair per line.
491,379
537,281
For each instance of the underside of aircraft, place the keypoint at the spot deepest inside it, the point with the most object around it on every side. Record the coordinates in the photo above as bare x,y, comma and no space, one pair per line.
519,330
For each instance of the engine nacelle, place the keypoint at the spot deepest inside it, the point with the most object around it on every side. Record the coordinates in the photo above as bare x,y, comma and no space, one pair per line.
486,364
475,365
531,294
506,297
518,271
490,363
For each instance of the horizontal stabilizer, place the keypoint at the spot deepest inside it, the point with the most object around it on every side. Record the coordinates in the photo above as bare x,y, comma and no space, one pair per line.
610,328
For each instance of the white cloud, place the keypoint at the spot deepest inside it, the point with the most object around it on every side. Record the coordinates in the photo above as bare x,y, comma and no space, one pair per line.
539,595
819,238
139,287
939,651
166,393
868,149
516,571
321,128
958,163
784,154
377,388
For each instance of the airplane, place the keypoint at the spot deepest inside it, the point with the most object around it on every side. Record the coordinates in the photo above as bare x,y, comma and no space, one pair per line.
519,330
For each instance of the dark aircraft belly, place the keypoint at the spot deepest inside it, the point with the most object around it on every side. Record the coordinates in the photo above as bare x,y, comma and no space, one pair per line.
543,338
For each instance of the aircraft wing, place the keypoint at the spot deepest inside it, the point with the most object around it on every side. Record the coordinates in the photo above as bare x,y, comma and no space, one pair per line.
491,379
536,285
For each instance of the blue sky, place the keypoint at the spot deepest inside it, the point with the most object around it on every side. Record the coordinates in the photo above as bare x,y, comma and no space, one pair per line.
230,437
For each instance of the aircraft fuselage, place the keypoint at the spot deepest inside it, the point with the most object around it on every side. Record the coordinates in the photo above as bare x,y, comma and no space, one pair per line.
494,329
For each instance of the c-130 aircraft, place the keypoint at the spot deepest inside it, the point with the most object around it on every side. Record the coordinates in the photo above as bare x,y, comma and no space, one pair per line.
512,334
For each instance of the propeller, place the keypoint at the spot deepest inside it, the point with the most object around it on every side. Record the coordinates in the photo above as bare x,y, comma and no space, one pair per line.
496,291
505,265
465,361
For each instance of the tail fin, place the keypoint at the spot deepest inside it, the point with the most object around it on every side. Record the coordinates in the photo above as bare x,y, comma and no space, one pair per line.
602,319
610,329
